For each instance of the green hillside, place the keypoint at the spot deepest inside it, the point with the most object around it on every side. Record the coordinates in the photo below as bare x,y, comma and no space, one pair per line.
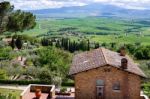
97,29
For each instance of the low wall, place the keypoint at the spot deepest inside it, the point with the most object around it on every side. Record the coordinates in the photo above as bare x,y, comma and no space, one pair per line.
24,94
50,89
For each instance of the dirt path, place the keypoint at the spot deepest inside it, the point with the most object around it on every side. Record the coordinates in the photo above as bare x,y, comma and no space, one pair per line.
15,87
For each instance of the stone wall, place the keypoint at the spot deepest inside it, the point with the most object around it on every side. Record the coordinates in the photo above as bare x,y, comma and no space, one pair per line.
85,83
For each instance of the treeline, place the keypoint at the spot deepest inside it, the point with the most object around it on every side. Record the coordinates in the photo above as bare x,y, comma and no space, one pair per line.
141,52
67,44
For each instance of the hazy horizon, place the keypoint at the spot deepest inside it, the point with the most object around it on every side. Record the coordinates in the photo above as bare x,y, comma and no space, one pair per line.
45,4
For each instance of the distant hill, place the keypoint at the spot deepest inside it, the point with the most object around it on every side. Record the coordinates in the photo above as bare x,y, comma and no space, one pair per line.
95,9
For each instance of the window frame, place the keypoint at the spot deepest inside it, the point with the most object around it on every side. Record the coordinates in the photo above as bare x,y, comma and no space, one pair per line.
116,86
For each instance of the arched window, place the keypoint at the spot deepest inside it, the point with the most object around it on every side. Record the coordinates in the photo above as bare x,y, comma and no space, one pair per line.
116,86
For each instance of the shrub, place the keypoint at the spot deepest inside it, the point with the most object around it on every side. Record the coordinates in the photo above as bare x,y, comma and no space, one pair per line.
26,82
23,82
3,74
63,89
146,88
67,84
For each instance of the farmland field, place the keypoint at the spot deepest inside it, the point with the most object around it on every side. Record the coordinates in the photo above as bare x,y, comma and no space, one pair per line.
96,29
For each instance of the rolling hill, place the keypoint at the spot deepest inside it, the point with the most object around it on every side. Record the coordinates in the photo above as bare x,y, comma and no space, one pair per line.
95,9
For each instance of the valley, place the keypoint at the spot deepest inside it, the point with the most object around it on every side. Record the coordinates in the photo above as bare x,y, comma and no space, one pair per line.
96,29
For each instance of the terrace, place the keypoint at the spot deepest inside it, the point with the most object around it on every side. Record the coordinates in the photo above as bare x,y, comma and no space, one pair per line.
47,92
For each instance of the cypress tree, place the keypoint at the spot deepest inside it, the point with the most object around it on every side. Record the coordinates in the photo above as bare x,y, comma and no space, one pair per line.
18,43
44,42
58,45
88,46
96,45
50,43
74,46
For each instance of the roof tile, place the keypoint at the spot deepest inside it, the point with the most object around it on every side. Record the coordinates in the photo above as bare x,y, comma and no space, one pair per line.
101,57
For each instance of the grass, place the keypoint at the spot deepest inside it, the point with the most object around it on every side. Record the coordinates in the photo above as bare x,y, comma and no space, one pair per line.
96,26
96,29
120,39
15,93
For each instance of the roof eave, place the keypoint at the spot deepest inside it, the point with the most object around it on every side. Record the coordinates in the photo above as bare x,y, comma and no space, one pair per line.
73,74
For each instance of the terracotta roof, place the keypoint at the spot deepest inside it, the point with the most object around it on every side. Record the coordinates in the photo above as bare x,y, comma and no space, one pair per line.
102,57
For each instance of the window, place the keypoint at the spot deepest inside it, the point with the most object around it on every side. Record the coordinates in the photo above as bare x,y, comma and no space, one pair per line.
99,82
116,86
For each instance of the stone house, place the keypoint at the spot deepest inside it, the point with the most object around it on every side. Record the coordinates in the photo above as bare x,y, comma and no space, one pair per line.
104,74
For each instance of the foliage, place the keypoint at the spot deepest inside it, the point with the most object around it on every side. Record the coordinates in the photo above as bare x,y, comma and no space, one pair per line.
15,20
26,38
45,75
22,82
53,62
27,82
67,44
54,58
65,83
96,45
3,74
146,88
19,21
14,69
63,89
142,52
44,42
5,9
5,53
138,51
44,63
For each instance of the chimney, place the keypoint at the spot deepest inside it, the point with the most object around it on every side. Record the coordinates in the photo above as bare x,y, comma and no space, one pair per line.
124,63
122,51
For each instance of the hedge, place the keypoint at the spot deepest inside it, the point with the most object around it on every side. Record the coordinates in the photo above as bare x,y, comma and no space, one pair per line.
69,84
22,82
26,82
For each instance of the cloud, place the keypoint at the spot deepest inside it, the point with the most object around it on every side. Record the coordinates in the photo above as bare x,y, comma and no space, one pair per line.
43,4
129,4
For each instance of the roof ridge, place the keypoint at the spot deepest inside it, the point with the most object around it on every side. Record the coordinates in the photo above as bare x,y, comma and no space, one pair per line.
105,58
101,57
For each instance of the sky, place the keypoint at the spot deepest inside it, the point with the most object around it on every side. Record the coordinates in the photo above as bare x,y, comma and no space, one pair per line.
44,4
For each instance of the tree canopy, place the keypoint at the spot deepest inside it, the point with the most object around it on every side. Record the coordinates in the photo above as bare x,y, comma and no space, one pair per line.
5,9
15,20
